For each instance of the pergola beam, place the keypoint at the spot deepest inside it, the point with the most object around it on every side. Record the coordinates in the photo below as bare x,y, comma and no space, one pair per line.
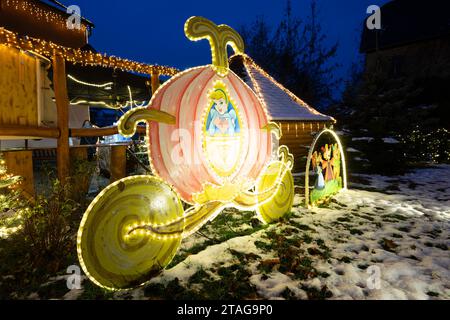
100,132
62,110
32,133
155,82
29,132
83,57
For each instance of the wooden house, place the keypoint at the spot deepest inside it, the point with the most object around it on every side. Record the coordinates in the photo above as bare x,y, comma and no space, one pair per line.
298,121
44,68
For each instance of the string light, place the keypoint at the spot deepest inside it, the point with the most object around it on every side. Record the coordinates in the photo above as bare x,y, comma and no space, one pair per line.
83,57
257,88
131,96
106,86
42,14
109,106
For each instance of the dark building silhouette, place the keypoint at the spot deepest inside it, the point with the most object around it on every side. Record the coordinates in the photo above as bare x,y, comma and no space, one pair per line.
414,41
406,79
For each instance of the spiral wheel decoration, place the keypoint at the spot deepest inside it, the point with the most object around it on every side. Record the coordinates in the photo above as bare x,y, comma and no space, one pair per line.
281,203
114,252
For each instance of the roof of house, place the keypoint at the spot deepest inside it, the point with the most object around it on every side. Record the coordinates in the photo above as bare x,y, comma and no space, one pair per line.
44,20
63,8
407,21
281,103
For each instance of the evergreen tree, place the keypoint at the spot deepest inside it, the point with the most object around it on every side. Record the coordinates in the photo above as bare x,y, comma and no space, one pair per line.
295,54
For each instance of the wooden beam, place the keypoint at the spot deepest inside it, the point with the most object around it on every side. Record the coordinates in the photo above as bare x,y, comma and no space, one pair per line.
83,57
29,132
100,132
118,164
155,82
93,132
62,110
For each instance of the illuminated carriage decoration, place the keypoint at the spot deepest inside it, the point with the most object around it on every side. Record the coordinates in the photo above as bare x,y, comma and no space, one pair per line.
211,145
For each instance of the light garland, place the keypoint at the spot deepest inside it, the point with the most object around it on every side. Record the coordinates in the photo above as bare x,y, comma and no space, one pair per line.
131,96
86,58
41,14
101,103
106,86
132,102
257,88
110,106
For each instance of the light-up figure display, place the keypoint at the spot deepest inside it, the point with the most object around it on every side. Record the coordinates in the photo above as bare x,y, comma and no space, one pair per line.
210,143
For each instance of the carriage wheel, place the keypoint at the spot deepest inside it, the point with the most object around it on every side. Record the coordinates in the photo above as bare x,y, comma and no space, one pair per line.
282,201
111,255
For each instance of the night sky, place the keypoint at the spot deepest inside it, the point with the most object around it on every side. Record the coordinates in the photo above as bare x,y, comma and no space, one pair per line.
152,31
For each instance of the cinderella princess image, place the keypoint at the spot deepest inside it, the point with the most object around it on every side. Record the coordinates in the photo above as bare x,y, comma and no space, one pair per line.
222,118
326,164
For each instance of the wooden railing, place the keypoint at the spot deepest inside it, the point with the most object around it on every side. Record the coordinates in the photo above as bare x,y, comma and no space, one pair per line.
32,132
98,132
54,133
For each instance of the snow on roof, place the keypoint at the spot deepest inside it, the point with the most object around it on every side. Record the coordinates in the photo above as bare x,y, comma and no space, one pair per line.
281,104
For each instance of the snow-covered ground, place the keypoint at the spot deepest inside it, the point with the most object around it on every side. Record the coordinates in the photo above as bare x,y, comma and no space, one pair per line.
385,238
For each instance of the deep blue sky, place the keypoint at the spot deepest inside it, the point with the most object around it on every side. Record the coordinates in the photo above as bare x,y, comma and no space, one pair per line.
152,31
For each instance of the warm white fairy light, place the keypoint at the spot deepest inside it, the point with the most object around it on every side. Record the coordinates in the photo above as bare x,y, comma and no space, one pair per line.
133,103
106,105
83,57
41,14
130,95
106,86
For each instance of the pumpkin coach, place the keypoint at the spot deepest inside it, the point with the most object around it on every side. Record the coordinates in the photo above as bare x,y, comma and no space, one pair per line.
212,145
